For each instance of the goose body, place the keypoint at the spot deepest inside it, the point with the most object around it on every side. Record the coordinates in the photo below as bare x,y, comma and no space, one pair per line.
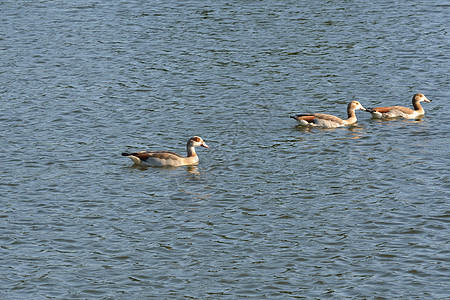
329,121
389,112
168,158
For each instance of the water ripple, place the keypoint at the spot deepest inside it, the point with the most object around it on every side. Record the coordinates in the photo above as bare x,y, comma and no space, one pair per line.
272,210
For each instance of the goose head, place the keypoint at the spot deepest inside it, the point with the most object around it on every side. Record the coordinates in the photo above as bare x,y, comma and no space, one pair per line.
196,141
355,105
419,97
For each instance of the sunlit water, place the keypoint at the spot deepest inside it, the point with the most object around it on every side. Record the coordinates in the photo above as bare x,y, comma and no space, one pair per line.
272,210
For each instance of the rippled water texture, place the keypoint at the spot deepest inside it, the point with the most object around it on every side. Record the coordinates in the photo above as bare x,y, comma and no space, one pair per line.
272,210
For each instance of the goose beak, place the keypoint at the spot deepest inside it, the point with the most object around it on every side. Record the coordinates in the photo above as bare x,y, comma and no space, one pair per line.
363,108
204,145
426,99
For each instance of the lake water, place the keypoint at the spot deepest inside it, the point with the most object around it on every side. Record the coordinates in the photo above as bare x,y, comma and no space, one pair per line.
272,210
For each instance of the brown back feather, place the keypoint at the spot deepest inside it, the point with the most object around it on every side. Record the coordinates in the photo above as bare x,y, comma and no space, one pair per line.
329,118
311,117
387,109
381,110
306,117
157,154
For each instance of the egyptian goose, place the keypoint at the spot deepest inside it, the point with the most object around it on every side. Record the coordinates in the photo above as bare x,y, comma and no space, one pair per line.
329,121
167,158
388,112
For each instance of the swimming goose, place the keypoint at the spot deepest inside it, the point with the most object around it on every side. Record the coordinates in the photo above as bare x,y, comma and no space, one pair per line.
329,121
388,112
168,158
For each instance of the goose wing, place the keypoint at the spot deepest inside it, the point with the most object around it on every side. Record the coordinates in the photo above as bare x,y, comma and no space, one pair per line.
387,109
145,155
319,119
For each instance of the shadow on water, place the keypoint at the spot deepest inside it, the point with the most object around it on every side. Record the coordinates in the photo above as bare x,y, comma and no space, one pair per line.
192,169
355,131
